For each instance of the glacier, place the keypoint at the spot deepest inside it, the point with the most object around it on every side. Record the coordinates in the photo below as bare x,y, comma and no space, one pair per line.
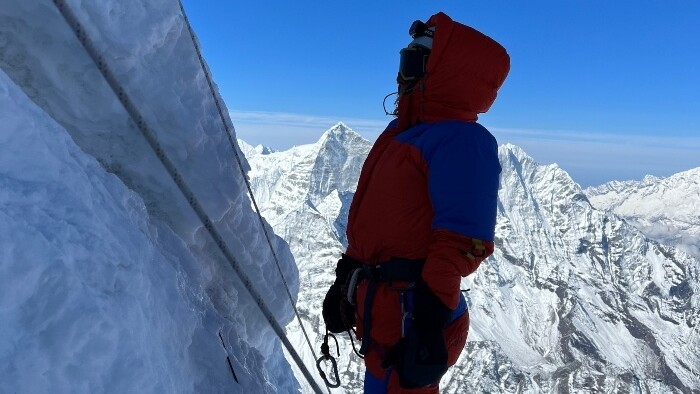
109,282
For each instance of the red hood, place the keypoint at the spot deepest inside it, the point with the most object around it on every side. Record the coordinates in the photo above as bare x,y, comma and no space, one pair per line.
464,72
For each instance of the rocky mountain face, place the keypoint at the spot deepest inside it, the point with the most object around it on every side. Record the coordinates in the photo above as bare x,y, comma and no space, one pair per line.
664,209
574,299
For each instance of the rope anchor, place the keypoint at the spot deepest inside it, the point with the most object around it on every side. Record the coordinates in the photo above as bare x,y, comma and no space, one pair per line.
326,356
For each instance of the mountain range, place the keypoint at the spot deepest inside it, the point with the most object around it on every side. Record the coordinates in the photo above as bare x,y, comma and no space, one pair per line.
664,209
583,294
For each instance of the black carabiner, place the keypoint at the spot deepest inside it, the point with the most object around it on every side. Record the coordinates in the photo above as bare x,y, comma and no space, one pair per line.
323,374
326,355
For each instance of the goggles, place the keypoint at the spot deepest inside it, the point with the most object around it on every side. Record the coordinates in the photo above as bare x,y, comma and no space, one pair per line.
413,62
414,58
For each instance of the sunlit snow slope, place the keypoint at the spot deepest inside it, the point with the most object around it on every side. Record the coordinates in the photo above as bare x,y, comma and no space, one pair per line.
108,280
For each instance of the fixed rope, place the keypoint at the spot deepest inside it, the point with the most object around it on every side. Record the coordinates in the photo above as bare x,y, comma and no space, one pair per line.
229,134
133,112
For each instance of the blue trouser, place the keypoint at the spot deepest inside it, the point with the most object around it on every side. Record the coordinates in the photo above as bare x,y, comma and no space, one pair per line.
374,385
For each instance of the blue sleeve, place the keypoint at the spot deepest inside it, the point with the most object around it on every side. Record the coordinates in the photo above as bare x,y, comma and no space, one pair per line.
463,178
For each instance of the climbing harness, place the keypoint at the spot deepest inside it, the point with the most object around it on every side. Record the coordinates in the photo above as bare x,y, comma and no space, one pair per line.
326,356
400,275
69,16
407,271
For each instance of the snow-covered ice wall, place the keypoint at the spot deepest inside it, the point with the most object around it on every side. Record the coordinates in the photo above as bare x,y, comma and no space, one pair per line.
108,280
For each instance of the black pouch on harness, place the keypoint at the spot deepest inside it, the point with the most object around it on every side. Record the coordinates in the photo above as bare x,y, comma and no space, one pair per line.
420,358
337,315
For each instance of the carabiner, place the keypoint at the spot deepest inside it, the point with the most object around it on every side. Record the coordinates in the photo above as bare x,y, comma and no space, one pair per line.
326,355
352,286
323,374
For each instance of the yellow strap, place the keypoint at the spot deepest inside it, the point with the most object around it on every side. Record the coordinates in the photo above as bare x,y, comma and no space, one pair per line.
478,244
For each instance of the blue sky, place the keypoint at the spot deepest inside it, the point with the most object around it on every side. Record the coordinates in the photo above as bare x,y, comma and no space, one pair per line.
606,89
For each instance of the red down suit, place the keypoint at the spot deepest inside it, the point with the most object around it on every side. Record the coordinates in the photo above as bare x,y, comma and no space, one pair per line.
429,187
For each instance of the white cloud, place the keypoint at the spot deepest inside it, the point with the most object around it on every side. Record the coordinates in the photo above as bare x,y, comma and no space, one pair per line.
590,158
671,141
283,130
595,158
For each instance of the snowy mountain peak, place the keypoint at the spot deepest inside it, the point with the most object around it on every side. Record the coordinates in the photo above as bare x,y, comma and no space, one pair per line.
264,150
547,182
515,154
339,127
341,152
649,179
249,150
514,150
689,180
339,133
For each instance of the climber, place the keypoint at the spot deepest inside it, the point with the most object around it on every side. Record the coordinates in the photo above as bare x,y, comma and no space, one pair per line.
424,212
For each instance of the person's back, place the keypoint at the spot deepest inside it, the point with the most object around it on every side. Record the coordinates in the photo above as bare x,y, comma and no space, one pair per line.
424,212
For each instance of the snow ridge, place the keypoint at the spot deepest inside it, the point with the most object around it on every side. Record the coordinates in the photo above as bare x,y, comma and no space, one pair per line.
665,209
